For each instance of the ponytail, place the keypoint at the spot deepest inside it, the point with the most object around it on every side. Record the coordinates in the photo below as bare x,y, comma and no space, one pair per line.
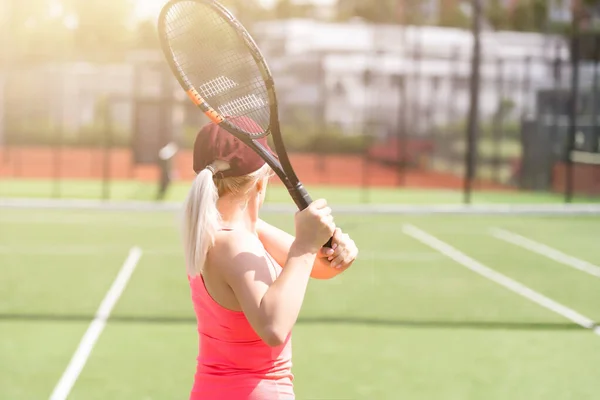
201,221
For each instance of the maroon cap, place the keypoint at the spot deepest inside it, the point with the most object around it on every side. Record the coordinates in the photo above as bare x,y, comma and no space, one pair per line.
215,143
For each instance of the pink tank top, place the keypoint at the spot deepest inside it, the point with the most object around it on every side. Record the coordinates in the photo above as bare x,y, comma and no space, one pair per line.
233,362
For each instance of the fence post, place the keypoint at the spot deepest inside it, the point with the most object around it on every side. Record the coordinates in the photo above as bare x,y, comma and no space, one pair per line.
56,192
525,93
321,153
557,105
433,131
3,124
474,108
573,105
595,108
526,85
6,22
416,93
498,128
367,80
57,147
401,133
454,78
107,128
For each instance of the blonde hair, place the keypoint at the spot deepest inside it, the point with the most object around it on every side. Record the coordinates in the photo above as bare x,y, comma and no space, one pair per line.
202,220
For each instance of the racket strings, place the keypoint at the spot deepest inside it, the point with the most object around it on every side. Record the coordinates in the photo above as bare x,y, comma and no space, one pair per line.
186,43
213,58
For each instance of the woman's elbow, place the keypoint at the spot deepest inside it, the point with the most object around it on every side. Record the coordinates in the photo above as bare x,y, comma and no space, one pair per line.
274,337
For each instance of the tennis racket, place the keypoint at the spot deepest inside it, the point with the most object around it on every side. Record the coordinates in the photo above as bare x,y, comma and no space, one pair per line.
220,67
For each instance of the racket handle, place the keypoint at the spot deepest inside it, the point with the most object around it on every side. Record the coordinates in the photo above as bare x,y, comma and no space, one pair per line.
329,244
303,200
300,197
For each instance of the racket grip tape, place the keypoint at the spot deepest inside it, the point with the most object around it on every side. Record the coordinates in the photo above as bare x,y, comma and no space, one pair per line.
300,197
329,244
303,200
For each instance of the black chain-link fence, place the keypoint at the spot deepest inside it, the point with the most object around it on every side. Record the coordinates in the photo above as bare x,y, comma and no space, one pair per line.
361,105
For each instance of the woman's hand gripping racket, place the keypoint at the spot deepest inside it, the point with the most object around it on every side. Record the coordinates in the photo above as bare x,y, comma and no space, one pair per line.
219,65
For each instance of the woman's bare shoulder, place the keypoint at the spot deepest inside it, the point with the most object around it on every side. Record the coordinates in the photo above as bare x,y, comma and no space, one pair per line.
240,259
233,244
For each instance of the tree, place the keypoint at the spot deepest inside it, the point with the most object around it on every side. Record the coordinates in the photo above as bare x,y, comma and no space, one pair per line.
526,16
497,15
530,16
285,9
454,17
247,11
146,36
380,11
33,33
102,32
406,12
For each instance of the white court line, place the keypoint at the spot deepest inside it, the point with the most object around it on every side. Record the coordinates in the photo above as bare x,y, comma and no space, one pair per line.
58,250
84,250
287,207
75,220
546,251
69,377
407,256
500,279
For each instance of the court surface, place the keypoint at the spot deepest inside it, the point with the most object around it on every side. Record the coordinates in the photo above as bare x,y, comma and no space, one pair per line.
436,307
129,190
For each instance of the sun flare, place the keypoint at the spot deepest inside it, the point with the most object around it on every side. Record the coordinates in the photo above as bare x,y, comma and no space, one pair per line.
148,9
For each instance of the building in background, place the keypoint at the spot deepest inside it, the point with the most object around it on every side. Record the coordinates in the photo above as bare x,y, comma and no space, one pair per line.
341,74
322,67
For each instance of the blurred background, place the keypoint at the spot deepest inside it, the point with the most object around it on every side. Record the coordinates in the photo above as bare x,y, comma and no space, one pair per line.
450,137
381,89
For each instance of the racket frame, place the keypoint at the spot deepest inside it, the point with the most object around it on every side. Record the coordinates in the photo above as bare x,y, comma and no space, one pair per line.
281,164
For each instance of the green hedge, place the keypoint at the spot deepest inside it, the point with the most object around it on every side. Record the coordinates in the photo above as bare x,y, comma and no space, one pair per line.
48,134
507,130
330,140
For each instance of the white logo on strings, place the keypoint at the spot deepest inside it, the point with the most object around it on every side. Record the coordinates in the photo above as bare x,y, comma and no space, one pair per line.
217,86
246,103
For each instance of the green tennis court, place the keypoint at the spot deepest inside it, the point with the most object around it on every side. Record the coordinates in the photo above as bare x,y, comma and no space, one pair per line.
407,321
119,190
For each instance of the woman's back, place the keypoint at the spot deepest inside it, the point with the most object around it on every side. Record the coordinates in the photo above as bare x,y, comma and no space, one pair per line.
246,304
233,361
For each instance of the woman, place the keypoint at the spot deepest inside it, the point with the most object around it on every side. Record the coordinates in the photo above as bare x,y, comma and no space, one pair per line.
248,279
